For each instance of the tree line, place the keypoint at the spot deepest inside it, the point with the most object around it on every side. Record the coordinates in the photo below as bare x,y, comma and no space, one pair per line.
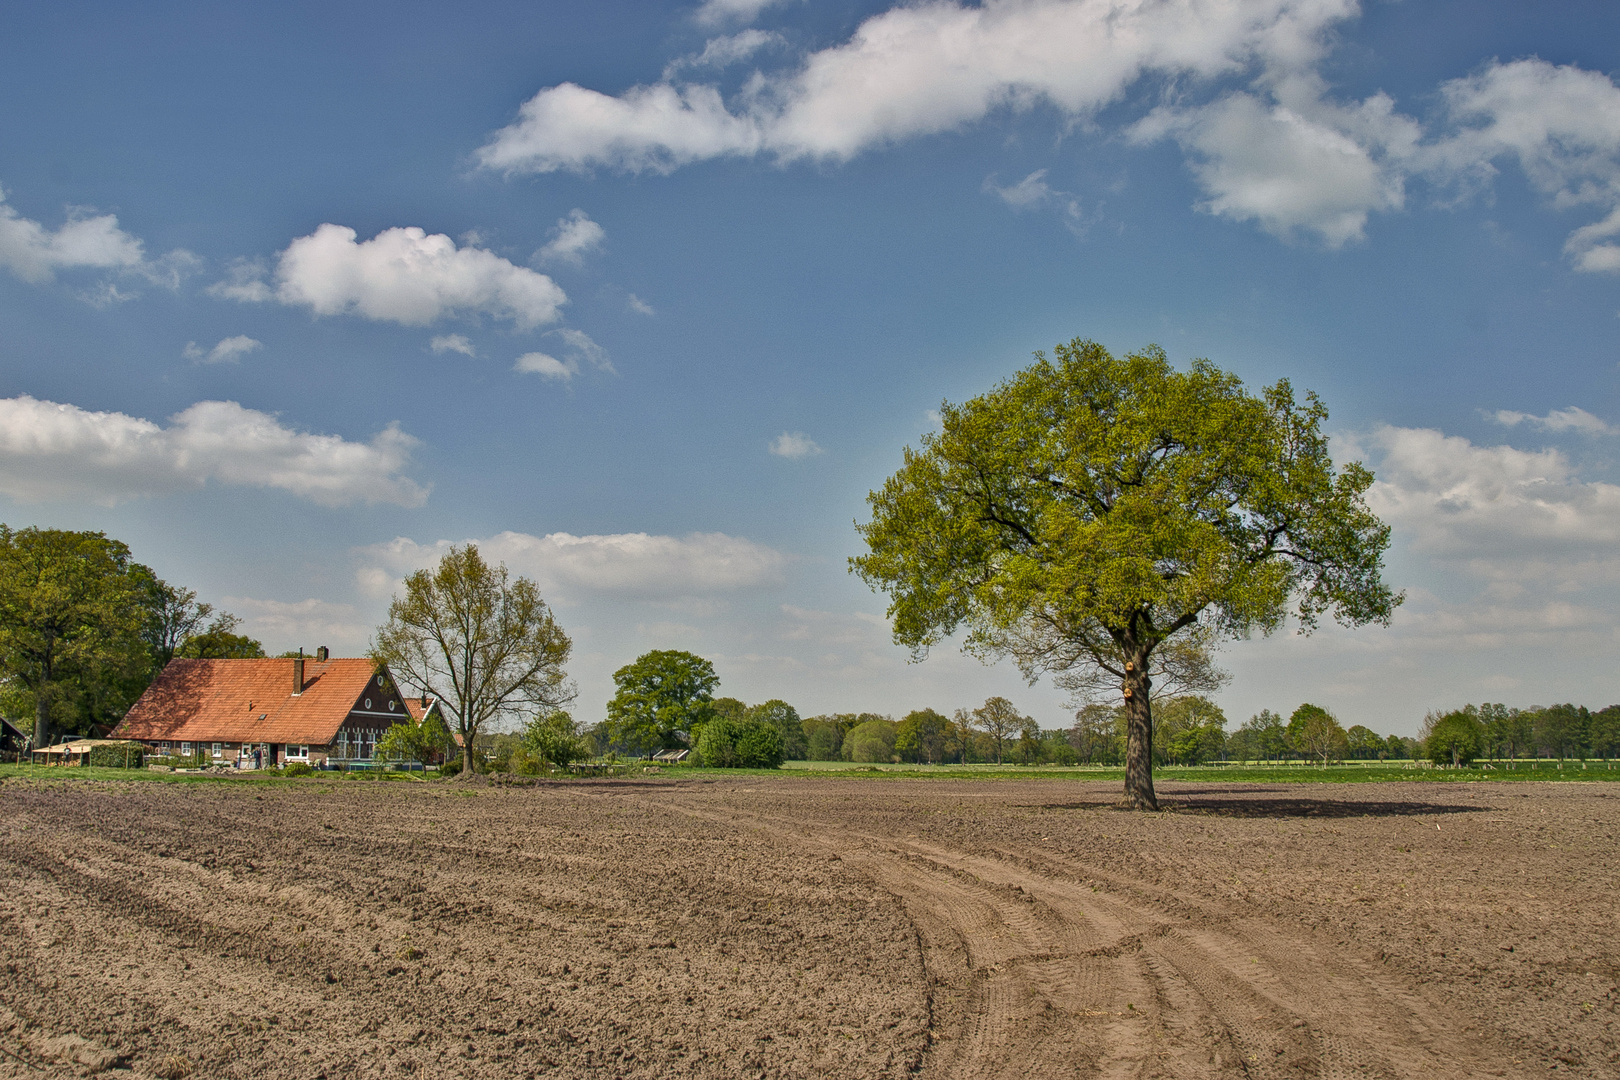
84,629
1498,732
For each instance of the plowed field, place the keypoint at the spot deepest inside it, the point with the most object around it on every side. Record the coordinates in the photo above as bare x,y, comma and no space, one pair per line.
793,927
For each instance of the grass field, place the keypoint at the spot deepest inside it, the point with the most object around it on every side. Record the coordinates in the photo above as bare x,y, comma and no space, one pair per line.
1347,773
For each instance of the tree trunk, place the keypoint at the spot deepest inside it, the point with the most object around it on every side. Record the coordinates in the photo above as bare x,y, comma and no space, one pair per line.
42,715
1139,741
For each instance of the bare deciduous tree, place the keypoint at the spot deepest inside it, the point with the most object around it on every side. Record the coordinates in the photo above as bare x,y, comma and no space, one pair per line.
999,719
487,646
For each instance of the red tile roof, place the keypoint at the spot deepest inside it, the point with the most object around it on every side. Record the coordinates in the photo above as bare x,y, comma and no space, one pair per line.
419,711
249,701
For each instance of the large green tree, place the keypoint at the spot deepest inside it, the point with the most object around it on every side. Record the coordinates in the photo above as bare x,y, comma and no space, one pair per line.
922,736
1317,733
663,696
1090,508
73,606
483,643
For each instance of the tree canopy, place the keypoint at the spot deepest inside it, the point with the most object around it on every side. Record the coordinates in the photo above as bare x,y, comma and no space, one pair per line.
72,611
1089,508
486,645
84,628
663,696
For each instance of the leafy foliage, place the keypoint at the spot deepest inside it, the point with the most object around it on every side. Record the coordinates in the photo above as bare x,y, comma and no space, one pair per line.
663,696
72,612
425,742
749,743
1455,739
923,735
122,755
872,741
785,719
1090,508
1315,731
554,739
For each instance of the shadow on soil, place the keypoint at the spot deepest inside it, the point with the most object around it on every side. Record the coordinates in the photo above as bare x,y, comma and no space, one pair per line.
1264,807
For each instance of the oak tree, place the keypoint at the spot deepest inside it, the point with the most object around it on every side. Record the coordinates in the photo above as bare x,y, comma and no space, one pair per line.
72,609
663,697
1091,508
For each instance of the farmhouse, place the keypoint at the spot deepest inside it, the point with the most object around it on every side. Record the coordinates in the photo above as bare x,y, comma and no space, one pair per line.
267,712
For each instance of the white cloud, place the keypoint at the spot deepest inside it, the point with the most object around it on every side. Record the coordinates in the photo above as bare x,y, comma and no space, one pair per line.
1562,126
1574,418
401,275
1280,153
794,445
539,363
244,281
1034,193
443,343
1586,247
574,237
911,71
651,128
84,241
228,351
306,624
1498,511
585,349
631,565
717,12
52,451
1315,167
722,52
639,306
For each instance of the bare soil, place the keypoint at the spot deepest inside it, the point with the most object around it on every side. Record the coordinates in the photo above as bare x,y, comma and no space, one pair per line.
792,927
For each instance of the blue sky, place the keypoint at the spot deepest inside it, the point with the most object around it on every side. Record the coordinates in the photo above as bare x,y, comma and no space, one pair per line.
645,298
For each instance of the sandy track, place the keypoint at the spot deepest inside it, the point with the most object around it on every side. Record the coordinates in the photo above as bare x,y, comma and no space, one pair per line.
807,928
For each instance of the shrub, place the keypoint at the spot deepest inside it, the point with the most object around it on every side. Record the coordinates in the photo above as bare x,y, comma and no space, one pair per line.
416,742
740,744
553,738
123,755
870,742
297,768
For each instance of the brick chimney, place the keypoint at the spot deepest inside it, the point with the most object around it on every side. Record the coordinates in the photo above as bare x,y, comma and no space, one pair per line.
298,673
321,654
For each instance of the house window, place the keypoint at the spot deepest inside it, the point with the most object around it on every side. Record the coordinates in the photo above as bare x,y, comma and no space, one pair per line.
219,749
297,753
185,748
